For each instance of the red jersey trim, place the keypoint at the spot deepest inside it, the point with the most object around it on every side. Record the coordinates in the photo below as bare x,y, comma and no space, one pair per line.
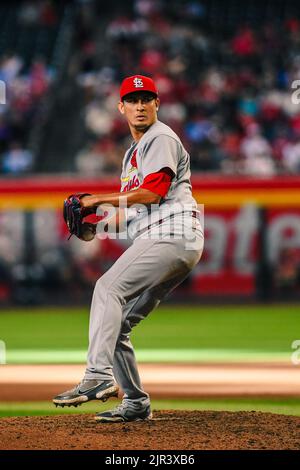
133,159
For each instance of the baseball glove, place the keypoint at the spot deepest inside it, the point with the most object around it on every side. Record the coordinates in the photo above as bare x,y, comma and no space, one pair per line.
74,216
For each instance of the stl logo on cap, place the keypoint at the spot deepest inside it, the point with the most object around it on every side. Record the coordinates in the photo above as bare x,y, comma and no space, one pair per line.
138,82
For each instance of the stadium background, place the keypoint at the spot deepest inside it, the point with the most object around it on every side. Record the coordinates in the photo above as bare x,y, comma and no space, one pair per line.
225,73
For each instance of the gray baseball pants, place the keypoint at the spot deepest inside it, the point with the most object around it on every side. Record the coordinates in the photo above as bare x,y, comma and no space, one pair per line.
137,282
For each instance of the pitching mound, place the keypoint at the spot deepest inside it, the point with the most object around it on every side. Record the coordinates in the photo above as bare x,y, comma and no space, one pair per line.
168,430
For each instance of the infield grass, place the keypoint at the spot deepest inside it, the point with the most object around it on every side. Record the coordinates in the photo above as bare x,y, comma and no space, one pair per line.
288,406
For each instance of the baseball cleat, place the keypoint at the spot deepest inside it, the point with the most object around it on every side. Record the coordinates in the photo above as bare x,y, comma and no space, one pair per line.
87,390
124,413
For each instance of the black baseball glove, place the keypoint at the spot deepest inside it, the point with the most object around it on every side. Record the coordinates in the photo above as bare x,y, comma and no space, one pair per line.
74,215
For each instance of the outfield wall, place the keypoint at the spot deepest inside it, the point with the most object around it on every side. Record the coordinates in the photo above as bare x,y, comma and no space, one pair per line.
32,231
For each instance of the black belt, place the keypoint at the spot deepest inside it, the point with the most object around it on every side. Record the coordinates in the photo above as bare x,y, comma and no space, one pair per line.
194,214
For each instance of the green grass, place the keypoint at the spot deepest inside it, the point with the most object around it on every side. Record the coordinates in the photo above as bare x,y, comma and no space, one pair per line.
288,406
259,328
221,330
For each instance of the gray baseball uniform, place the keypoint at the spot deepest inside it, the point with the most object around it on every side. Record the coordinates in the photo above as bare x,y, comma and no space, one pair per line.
160,258
159,147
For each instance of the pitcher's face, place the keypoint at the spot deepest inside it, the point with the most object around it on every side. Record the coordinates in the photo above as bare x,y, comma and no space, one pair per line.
140,109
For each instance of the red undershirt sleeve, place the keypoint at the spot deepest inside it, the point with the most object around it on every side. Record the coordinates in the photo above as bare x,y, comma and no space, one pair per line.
159,182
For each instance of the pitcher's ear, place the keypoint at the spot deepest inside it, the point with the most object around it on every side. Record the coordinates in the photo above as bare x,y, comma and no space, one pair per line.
157,103
121,107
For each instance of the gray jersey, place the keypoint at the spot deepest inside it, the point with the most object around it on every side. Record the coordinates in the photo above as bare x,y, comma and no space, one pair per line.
159,147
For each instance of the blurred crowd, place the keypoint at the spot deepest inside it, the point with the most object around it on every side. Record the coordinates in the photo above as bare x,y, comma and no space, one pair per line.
24,90
227,94
230,93
24,82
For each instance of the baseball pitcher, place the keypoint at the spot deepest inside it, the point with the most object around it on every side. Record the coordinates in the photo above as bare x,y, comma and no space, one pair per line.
162,219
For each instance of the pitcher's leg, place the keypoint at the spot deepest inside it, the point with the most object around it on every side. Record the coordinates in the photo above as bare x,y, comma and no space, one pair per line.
105,324
125,365
112,291
146,265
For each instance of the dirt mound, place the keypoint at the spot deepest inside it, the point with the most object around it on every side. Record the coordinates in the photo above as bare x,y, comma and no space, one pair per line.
178,430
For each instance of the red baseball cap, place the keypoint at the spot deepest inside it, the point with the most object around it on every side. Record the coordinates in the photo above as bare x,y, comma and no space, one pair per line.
137,83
